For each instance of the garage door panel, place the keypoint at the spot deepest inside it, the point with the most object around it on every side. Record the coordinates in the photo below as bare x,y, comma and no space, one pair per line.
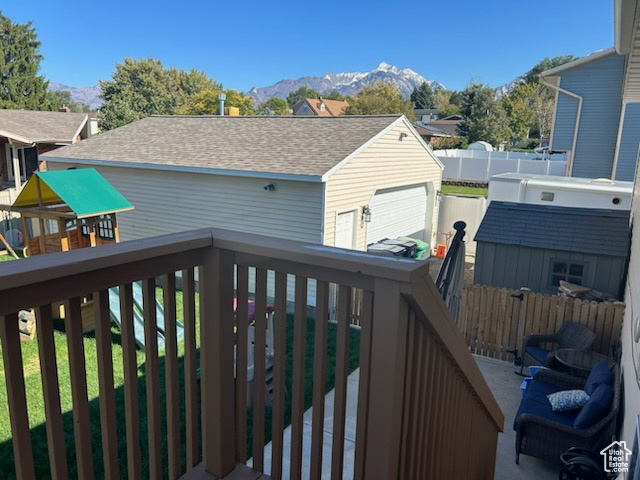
398,212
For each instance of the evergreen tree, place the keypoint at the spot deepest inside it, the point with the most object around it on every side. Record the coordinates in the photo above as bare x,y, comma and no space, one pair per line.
423,96
483,116
20,84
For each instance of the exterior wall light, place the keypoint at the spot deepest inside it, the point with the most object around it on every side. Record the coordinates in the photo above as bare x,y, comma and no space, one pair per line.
366,214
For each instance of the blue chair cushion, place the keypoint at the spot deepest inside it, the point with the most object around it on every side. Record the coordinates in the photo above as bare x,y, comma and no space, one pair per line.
596,408
535,402
540,354
600,375
568,400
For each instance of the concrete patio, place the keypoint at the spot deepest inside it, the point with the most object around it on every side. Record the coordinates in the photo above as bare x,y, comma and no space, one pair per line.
505,386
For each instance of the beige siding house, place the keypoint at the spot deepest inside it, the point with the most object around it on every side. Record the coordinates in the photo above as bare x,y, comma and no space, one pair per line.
304,178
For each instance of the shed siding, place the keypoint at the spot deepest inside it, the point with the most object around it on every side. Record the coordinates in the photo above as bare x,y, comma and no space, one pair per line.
599,83
510,266
629,142
167,202
386,163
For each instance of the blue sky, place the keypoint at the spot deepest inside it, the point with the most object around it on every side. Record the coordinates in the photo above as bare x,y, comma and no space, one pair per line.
245,44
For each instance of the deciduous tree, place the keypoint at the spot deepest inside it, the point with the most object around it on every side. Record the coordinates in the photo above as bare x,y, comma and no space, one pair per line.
20,84
273,106
379,99
300,94
56,100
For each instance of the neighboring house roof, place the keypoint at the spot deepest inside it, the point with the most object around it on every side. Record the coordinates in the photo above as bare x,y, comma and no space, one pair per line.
583,230
430,131
28,126
447,120
331,107
580,61
287,145
84,190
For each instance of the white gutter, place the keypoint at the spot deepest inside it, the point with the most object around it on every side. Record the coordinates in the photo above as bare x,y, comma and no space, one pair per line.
617,152
577,125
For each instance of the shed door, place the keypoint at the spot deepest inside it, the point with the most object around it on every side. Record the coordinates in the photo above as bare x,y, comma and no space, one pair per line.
345,226
398,212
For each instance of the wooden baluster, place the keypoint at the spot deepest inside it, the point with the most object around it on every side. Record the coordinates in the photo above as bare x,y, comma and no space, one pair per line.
242,321
81,421
363,387
14,373
105,381
319,377
151,368
340,396
51,393
279,363
190,366
389,342
299,352
171,375
216,350
129,360
259,368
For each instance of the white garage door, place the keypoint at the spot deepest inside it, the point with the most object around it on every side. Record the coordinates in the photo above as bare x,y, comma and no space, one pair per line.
398,212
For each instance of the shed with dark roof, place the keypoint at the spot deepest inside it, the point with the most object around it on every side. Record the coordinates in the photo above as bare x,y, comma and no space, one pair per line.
536,246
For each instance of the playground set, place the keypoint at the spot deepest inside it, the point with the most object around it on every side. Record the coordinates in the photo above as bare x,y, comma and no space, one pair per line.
70,209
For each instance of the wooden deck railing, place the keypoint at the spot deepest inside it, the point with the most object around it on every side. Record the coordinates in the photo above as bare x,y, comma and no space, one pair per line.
424,409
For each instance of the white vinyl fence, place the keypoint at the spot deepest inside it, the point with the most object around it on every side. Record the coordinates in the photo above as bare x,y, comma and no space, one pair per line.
480,166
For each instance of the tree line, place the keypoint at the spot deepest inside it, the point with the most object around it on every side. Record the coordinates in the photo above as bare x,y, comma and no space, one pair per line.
143,87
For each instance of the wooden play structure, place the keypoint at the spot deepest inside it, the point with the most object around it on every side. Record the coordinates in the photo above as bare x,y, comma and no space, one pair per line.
68,209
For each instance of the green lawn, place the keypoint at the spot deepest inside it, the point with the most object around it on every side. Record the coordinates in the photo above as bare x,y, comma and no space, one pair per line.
4,258
36,405
464,190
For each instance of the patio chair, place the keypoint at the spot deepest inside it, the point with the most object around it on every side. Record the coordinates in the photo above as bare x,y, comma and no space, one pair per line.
570,335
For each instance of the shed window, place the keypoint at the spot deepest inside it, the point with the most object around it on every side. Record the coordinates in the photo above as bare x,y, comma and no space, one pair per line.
105,227
567,271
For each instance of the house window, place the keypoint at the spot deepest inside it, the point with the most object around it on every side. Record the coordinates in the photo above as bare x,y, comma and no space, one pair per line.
571,272
105,227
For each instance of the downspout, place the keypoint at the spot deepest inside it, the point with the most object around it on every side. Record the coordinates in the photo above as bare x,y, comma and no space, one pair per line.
623,112
577,125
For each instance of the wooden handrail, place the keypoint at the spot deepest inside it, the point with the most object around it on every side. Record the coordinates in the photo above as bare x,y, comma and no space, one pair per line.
428,304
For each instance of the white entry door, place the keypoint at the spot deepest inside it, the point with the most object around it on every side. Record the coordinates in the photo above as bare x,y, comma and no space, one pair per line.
398,212
345,230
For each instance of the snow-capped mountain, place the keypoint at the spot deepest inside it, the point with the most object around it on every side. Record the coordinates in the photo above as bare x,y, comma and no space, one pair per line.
347,83
86,95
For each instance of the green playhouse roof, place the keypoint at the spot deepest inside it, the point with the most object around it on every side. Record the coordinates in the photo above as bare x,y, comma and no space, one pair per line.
84,190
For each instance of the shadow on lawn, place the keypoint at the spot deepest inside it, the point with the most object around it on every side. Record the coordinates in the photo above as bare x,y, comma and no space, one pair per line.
39,438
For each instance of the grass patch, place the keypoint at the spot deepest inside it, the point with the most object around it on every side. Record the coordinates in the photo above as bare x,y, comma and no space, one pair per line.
6,258
35,402
464,190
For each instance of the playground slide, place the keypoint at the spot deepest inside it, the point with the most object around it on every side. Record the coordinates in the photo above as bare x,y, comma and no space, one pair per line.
138,320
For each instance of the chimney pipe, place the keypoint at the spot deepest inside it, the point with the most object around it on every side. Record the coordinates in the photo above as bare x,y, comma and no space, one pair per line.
221,98
64,108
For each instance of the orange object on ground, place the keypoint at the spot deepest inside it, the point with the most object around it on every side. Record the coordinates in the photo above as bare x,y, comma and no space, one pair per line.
441,250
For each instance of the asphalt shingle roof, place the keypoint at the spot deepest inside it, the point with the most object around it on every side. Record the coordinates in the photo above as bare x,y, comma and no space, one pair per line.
583,230
41,127
302,145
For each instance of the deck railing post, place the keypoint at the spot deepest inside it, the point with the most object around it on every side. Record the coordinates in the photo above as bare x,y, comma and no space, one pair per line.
385,398
216,361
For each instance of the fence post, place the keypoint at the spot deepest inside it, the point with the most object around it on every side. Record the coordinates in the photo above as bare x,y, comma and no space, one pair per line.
385,397
459,168
216,349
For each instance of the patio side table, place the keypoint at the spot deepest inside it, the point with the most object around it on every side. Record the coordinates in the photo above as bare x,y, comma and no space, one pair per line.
580,362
